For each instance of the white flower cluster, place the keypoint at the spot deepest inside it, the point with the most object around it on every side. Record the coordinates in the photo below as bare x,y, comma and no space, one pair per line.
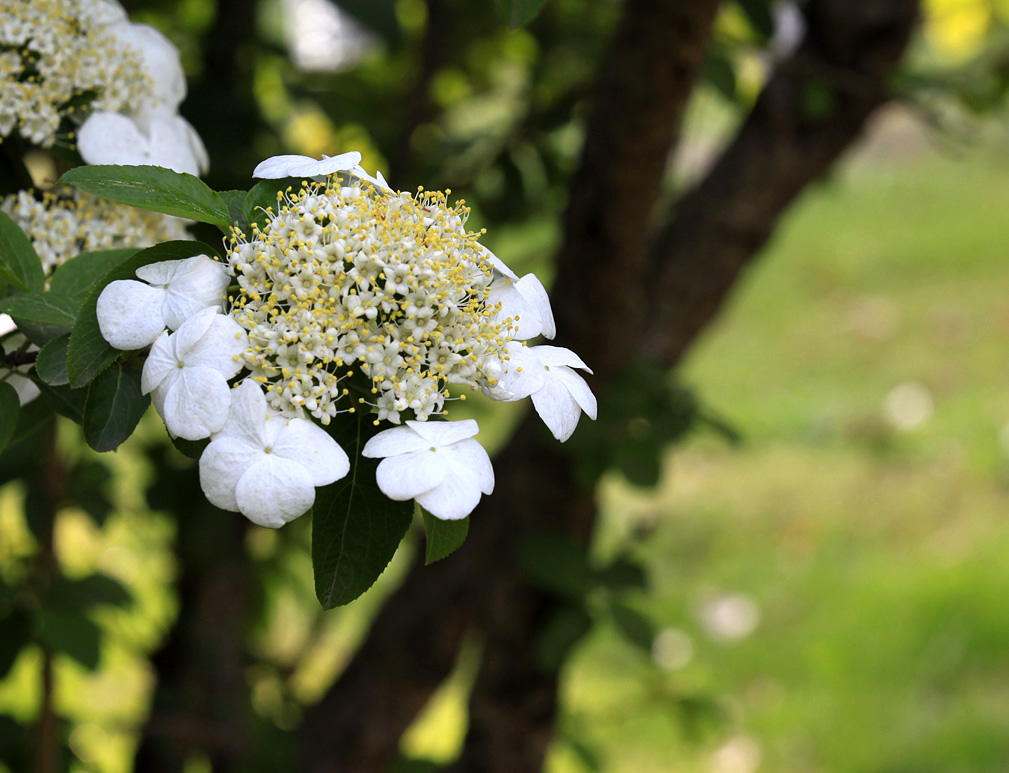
64,223
351,296
69,63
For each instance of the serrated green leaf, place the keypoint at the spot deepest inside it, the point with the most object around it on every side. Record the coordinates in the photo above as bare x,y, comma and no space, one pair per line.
356,529
50,309
20,265
10,410
51,363
443,537
71,633
633,626
263,196
114,407
235,201
153,188
77,276
15,634
520,12
65,400
89,354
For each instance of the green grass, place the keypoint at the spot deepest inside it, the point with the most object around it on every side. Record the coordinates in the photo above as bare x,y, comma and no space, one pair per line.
878,557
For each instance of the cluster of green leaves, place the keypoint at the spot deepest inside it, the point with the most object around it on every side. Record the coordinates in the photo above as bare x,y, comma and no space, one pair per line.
356,528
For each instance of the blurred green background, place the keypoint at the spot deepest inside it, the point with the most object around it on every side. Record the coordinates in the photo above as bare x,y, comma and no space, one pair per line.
831,593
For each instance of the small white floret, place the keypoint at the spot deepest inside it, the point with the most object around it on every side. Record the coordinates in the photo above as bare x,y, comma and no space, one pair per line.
267,468
436,463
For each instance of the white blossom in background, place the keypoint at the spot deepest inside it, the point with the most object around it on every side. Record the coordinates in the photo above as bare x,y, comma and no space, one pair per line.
352,297
66,222
54,52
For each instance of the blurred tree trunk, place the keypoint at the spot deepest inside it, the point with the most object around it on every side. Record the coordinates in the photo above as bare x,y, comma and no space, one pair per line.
624,289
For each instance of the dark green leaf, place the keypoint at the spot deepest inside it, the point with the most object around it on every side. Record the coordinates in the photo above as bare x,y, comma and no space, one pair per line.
153,188
87,592
78,275
719,72
633,626
65,400
15,633
10,409
263,196
236,208
20,265
379,16
758,12
89,354
520,12
28,442
190,448
443,537
41,308
562,632
624,574
68,631
51,364
557,564
356,529
114,407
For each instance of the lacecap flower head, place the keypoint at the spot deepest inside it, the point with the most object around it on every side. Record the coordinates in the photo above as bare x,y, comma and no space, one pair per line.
354,297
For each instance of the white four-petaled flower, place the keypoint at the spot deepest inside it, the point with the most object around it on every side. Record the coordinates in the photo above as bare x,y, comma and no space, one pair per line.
436,463
545,373
132,314
187,373
524,300
267,467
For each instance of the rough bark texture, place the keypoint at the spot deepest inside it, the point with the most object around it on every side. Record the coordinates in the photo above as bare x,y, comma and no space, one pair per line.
675,284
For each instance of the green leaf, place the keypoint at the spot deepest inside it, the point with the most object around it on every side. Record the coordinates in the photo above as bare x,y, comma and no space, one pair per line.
28,443
633,626
68,631
236,208
719,72
78,275
15,633
379,16
90,591
20,265
10,409
65,400
443,537
153,188
89,354
114,407
758,12
557,564
520,12
192,449
624,574
51,364
41,309
263,196
356,529
554,642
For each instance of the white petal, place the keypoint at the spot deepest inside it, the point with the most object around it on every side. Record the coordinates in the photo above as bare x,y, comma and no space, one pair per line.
454,498
198,283
557,408
111,138
170,145
523,374
160,273
247,416
305,166
536,298
100,13
497,264
192,330
222,465
196,146
196,405
160,61
472,456
160,363
129,314
443,433
408,475
274,491
391,442
219,347
558,355
577,388
310,446
378,180
6,324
